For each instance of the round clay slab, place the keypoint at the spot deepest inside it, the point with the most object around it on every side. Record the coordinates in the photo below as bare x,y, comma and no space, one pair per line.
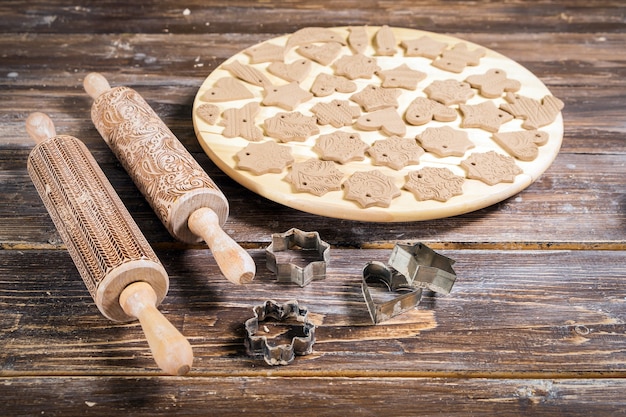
405,207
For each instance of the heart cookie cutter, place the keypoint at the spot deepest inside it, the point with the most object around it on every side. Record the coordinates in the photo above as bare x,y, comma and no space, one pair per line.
308,244
410,269
279,354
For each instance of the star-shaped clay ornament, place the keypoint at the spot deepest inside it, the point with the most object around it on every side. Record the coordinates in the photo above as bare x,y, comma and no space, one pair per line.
356,66
484,115
261,158
371,188
315,176
431,183
395,152
374,97
491,167
401,77
445,141
287,96
341,147
449,92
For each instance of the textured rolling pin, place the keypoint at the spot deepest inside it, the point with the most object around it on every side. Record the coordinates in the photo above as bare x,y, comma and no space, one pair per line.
184,197
118,266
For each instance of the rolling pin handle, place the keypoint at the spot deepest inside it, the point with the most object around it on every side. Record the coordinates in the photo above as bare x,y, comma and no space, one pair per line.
95,85
235,263
40,127
171,351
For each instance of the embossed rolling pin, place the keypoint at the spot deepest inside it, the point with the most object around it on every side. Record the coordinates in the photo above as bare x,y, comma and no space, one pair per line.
119,268
184,197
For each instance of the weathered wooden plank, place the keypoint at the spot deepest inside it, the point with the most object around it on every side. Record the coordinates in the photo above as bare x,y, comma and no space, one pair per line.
579,202
512,314
201,396
287,16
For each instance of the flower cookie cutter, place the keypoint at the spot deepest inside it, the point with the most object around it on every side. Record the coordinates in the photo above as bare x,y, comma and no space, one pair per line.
296,242
279,354
410,269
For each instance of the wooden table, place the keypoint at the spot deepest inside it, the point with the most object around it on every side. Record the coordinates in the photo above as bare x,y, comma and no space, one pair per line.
535,324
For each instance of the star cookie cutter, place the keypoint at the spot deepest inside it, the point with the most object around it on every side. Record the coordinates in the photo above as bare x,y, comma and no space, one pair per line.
410,269
279,354
295,240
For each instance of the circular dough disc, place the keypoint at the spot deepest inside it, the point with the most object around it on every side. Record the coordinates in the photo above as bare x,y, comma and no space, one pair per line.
475,194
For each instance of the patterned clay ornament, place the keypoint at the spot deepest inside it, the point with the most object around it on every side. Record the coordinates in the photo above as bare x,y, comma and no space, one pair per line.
262,158
431,183
315,176
370,188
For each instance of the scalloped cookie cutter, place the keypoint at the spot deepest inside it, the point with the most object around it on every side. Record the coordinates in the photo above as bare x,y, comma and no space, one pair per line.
295,240
410,268
279,354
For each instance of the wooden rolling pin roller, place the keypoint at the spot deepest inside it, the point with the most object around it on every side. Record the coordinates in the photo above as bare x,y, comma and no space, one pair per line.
184,197
119,268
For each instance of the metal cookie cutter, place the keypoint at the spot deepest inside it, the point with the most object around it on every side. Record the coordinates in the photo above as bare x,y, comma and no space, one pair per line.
309,245
411,268
279,354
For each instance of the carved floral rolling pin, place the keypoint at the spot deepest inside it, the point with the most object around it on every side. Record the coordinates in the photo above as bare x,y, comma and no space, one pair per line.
118,266
184,197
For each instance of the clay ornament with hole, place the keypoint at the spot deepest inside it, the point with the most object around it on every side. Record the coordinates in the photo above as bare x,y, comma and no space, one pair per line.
295,71
523,145
209,113
448,92
493,83
326,85
265,157
401,77
371,188
337,113
423,110
227,89
458,57
484,116
395,152
431,183
356,66
445,141
423,46
336,95
241,122
294,126
315,177
342,147
536,113
387,120
491,167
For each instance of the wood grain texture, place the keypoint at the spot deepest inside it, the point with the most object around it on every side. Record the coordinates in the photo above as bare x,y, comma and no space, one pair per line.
535,324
